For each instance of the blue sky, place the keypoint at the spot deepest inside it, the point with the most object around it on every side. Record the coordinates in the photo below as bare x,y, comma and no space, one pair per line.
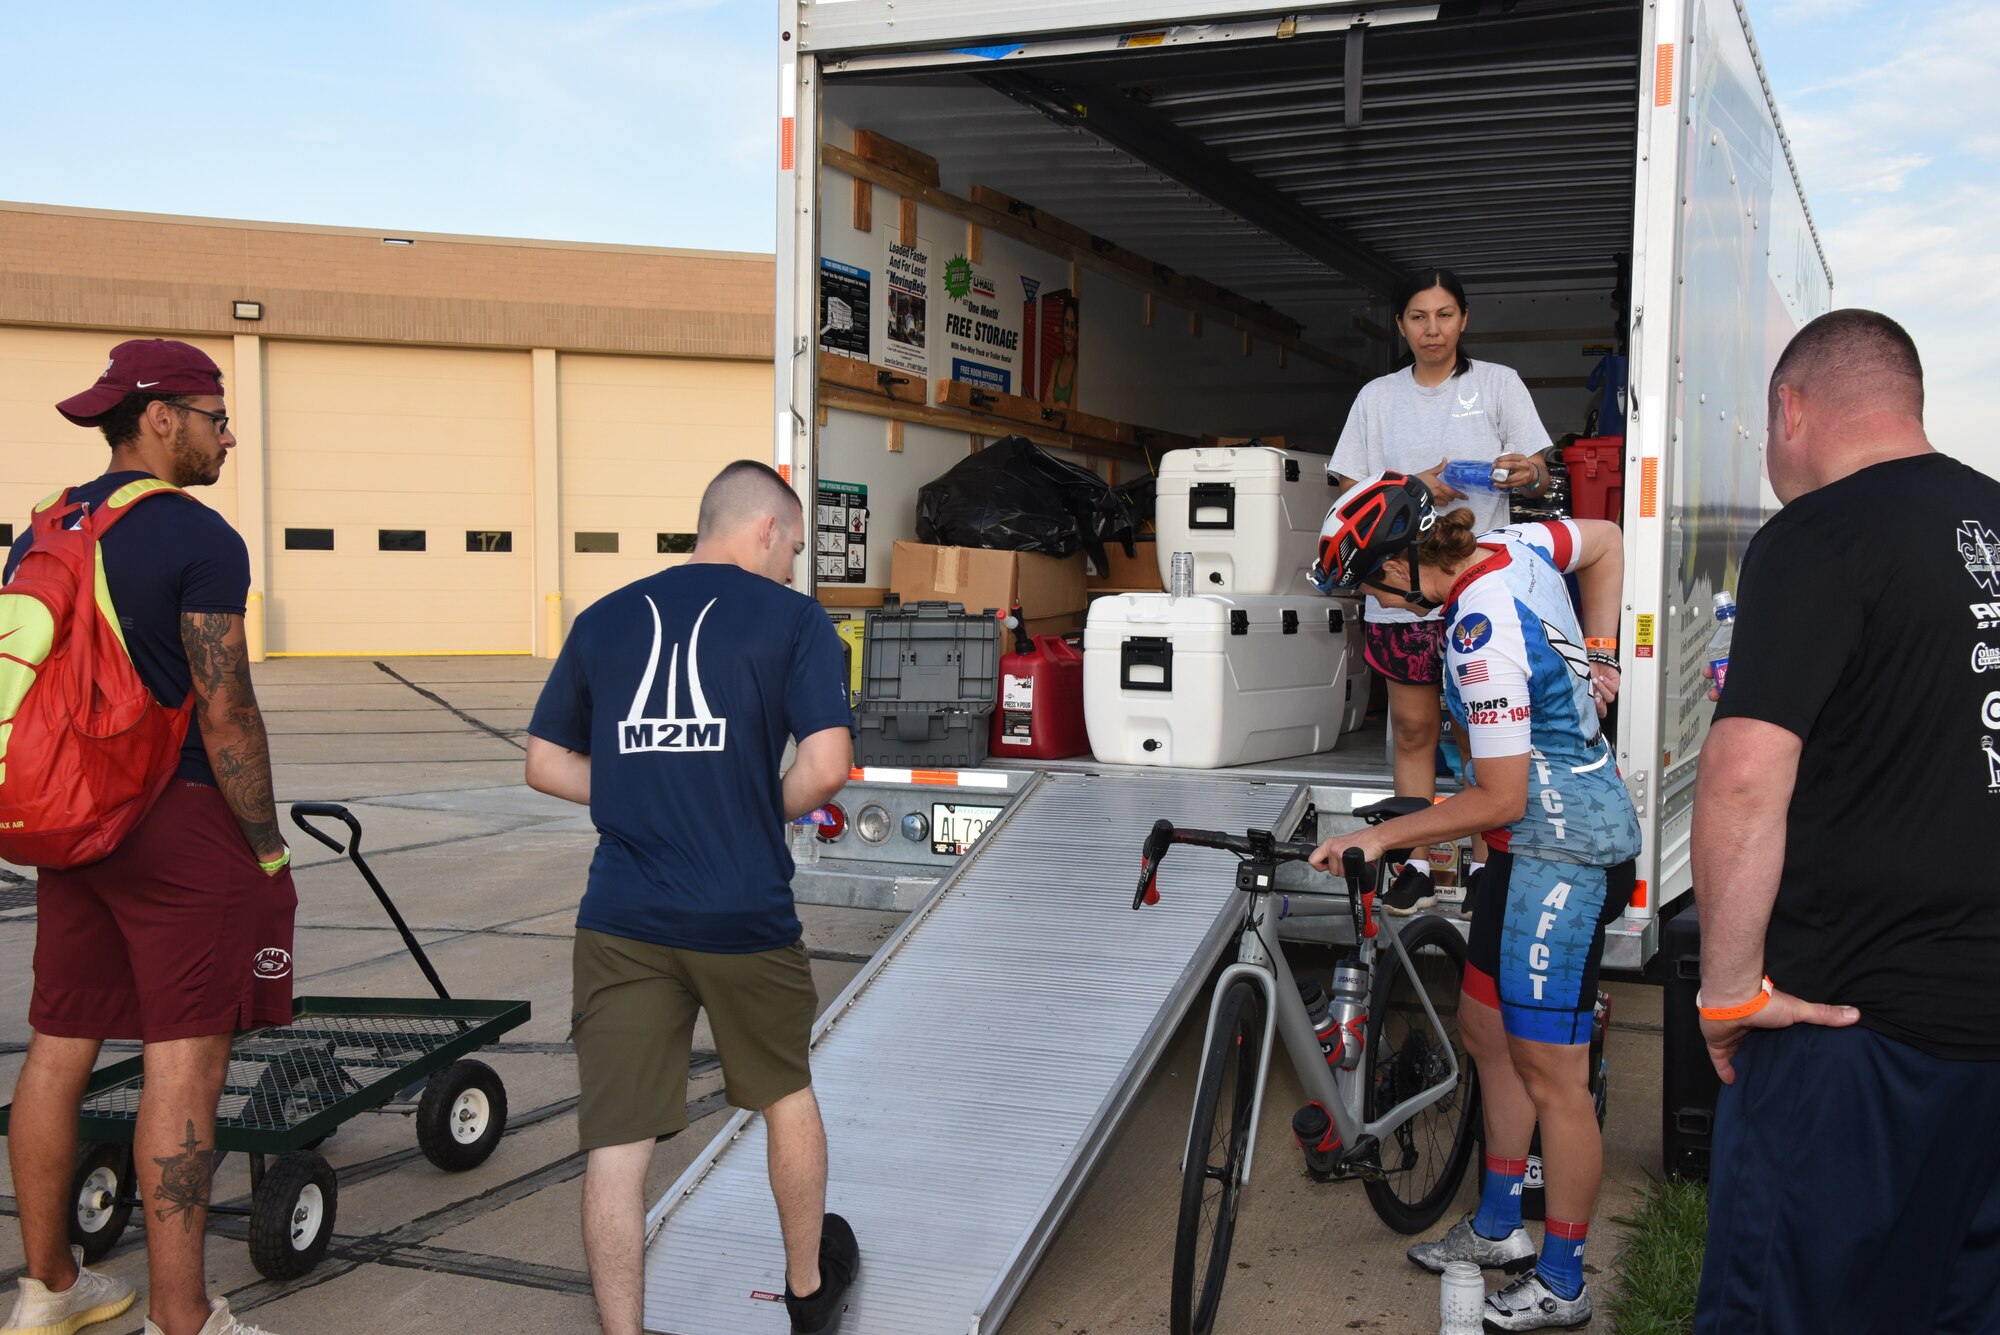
652,123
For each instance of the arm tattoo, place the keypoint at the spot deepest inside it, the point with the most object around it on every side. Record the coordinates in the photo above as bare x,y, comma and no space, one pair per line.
184,1180
232,727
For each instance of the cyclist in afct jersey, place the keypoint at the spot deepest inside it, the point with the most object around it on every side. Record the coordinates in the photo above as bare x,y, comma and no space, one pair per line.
1543,788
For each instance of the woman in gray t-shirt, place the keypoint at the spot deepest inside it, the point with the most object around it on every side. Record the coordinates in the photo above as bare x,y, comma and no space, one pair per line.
1443,407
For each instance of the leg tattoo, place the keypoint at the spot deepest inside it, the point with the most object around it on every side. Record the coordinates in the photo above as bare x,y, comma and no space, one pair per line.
184,1179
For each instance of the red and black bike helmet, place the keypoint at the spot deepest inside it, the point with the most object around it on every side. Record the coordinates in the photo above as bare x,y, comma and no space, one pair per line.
1380,517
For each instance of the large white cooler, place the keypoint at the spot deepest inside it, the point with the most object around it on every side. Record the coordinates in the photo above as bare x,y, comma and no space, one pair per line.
1213,680
1360,677
1249,513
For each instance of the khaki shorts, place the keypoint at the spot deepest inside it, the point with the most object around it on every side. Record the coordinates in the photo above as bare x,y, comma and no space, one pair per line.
632,1022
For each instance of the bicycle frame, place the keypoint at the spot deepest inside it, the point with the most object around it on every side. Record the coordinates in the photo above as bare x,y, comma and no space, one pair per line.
1340,1092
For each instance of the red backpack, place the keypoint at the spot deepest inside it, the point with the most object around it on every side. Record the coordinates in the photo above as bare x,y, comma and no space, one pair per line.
85,749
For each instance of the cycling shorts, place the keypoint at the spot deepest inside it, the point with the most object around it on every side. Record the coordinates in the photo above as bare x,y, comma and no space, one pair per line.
1536,940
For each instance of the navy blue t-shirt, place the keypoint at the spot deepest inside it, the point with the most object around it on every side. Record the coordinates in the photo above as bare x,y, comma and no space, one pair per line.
682,688
170,555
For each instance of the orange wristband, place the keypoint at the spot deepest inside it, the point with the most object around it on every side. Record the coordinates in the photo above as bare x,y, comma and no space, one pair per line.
1595,642
1743,1012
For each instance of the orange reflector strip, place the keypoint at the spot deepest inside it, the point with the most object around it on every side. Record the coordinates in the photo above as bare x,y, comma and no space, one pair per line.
1663,76
1649,487
785,472
788,136
1639,894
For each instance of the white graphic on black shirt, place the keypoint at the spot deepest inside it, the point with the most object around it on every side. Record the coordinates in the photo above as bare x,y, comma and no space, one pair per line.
701,731
1980,548
1992,765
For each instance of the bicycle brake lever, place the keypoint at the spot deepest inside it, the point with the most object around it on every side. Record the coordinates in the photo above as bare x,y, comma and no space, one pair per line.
1354,867
1150,857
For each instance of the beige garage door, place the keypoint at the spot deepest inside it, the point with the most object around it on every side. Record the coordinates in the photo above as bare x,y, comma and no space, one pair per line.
641,437
400,500
40,451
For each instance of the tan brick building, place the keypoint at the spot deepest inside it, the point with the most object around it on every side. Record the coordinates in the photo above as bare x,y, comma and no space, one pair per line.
447,444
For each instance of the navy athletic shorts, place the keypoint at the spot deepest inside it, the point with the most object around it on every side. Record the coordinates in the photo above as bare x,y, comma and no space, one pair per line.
1854,1187
1536,939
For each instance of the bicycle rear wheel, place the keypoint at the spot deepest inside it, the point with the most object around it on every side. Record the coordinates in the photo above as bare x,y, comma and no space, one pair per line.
1217,1140
1424,1159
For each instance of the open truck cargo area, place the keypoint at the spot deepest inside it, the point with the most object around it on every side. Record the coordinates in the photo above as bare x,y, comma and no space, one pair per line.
1219,198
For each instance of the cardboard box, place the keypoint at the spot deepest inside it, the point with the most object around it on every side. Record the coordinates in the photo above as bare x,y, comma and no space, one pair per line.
1065,624
1043,586
1130,574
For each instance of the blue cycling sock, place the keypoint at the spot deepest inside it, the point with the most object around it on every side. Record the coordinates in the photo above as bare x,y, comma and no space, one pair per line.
1500,1198
1561,1263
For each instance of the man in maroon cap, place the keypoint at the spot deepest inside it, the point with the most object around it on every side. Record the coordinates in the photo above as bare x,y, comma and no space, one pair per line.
183,936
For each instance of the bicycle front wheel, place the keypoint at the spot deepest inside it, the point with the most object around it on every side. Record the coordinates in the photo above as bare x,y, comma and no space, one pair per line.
1424,1159
1218,1138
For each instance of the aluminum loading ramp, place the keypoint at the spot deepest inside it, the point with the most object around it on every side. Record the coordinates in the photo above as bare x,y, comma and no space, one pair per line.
973,1073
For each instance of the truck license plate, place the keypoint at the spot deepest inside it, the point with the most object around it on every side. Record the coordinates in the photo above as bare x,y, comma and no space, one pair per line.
955,828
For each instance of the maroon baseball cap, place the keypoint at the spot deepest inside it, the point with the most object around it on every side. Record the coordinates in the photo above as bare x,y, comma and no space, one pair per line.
144,366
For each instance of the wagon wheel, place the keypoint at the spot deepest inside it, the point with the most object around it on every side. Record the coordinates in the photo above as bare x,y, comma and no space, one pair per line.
462,1116
101,1195
291,1215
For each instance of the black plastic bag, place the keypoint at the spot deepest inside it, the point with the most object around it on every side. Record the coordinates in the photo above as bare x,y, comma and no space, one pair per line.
1015,496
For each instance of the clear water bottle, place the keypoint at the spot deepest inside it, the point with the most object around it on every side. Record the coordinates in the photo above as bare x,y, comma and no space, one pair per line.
805,839
1473,475
1725,631
1461,1298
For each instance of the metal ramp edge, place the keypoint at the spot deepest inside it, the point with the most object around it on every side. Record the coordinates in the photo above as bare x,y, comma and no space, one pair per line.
972,1074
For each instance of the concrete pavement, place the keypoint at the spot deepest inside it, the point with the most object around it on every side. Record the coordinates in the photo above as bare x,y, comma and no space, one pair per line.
427,753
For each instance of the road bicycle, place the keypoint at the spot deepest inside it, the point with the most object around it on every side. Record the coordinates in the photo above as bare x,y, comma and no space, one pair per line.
1392,1100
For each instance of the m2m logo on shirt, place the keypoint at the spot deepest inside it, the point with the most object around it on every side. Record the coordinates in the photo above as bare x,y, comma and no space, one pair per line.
701,732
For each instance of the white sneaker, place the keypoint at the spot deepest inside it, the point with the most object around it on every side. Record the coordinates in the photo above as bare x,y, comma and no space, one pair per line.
1513,1253
220,1322
1530,1304
94,1297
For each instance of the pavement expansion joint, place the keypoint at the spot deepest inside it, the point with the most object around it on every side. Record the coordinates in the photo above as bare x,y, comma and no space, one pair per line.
435,698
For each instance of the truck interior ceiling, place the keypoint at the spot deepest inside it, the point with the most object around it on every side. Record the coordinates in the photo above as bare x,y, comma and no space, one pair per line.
1298,175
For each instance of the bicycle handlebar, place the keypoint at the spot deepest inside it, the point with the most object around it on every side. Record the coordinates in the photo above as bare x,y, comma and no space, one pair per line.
1165,834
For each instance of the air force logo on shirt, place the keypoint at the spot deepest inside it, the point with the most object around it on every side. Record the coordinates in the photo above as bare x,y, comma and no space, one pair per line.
1471,634
702,731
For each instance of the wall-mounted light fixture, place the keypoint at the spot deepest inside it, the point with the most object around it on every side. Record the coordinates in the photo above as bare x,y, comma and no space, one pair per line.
248,310
397,241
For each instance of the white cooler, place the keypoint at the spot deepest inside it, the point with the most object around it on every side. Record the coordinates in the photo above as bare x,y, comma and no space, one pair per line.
1249,513
1360,677
1213,680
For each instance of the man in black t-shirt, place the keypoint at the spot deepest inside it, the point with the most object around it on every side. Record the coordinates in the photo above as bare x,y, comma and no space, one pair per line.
1850,990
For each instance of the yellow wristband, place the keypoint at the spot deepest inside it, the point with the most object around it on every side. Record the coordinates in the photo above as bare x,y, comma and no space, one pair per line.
277,864
1742,1012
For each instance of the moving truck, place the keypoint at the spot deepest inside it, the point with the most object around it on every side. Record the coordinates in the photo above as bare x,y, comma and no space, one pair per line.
1210,200
1123,228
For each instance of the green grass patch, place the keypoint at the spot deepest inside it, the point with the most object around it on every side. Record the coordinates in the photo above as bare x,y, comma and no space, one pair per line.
1659,1267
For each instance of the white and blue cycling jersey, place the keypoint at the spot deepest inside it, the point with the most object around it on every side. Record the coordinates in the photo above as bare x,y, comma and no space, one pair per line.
1517,679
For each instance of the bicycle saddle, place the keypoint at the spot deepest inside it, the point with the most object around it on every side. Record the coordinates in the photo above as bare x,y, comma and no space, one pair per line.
1391,807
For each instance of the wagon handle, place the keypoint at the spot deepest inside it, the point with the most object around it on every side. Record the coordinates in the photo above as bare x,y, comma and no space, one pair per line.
334,811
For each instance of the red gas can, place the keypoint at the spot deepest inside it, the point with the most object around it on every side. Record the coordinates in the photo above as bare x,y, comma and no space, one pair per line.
1040,712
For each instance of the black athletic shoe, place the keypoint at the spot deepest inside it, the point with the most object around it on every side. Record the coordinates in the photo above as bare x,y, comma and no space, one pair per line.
1471,899
839,1261
1411,892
